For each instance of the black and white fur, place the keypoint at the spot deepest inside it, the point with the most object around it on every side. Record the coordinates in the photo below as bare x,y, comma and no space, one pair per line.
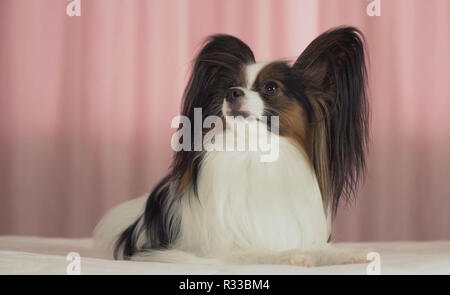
229,207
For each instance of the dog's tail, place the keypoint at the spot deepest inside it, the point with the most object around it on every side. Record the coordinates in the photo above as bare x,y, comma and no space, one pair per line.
115,222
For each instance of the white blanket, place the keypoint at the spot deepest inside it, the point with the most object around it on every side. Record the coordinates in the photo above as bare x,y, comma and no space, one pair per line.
30,255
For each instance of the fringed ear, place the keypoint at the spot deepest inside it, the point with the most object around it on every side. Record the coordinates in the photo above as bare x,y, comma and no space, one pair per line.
332,71
216,65
215,69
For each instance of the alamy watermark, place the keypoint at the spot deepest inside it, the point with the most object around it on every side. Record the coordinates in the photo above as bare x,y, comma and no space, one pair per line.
374,8
374,266
241,134
74,266
74,8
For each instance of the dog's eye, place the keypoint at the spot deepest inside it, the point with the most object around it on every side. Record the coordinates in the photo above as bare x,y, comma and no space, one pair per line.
271,88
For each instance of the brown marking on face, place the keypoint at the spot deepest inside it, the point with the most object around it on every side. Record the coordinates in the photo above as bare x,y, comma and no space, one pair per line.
293,125
280,103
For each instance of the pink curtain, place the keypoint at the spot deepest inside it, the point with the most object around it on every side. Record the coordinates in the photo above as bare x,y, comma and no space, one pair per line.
86,104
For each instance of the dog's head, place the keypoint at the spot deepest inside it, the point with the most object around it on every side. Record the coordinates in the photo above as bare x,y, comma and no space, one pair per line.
320,101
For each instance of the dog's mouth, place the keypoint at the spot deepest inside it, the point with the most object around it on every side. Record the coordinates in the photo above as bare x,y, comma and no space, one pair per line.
238,113
235,110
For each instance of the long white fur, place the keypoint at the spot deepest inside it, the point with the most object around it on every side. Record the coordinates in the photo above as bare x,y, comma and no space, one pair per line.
245,203
248,211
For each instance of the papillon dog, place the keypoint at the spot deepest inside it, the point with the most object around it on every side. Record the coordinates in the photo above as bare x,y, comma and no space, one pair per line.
229,206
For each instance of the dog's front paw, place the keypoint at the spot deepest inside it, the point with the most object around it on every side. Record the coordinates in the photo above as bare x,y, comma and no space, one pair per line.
304,260
297,258
354,257
331,255
348,256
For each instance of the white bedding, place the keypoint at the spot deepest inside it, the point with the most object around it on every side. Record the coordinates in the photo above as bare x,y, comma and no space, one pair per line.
31,255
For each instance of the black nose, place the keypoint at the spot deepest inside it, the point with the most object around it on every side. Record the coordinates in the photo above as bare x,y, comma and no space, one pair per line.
233,94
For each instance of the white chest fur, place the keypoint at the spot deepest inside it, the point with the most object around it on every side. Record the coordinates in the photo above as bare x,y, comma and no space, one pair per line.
245,203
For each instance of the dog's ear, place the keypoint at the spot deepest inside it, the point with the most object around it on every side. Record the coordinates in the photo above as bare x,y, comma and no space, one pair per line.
215,69
332,72
216,66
